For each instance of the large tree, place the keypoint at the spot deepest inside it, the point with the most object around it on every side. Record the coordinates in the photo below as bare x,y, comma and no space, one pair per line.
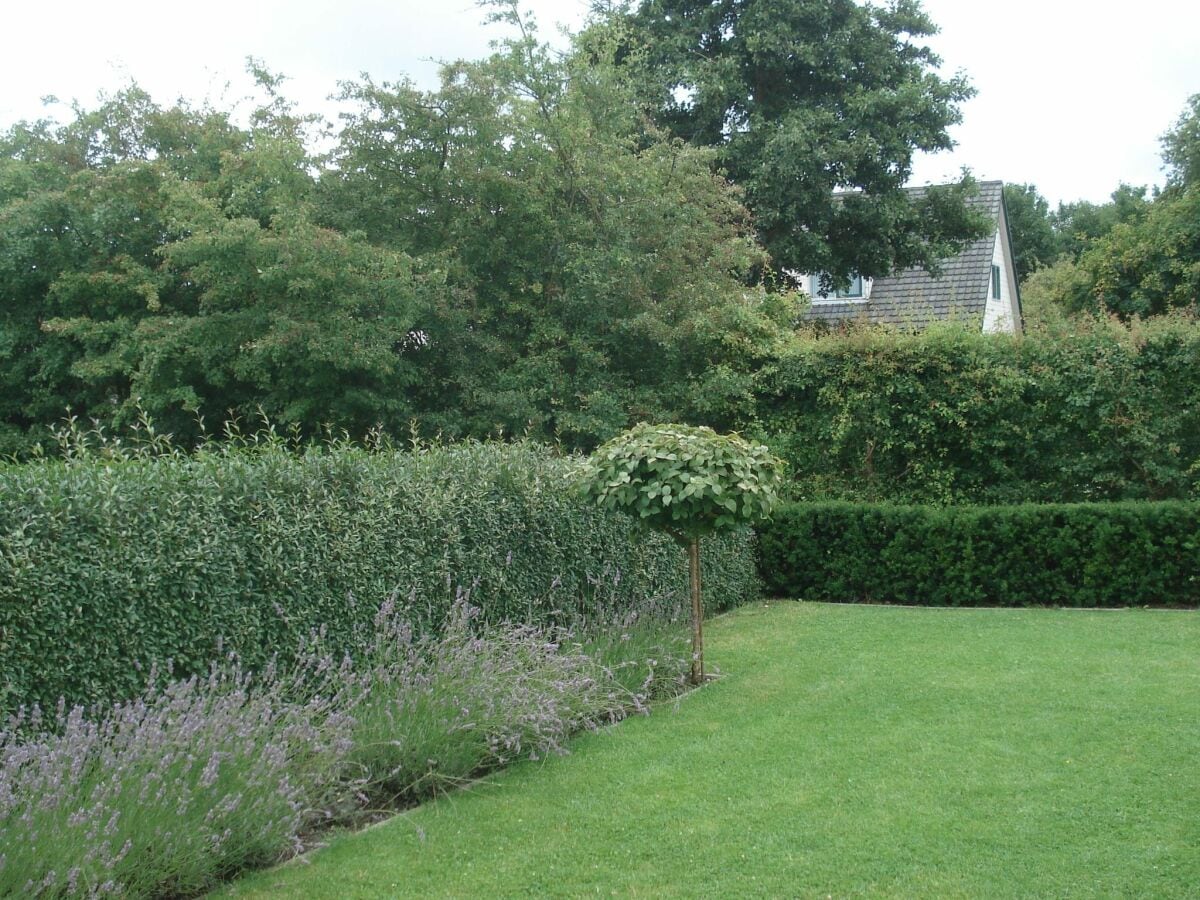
517,250
82,218
591,252
1081,223
164,259
1150,266
802,99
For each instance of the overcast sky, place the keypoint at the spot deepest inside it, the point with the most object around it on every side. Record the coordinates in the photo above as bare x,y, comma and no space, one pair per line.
1072,98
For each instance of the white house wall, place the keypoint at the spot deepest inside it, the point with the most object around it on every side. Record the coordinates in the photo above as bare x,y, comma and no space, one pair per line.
1000,315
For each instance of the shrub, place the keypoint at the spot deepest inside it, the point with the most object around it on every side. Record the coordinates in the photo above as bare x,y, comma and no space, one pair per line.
110,566
1092,410
1088,554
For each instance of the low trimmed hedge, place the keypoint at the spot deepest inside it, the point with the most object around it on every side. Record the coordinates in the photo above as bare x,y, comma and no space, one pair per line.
1082,555
109,568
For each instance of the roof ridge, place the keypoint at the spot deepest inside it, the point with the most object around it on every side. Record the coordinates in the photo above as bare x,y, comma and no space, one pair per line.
917,188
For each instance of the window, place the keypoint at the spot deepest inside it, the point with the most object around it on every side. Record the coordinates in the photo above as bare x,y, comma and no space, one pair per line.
853,292
995,282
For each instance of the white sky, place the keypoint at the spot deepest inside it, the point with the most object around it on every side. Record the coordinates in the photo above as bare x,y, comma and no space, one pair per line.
1073,94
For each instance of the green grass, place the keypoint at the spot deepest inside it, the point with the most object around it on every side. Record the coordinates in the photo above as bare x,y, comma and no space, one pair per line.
847,750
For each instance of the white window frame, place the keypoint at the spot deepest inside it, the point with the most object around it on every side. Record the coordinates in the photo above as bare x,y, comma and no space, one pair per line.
814,286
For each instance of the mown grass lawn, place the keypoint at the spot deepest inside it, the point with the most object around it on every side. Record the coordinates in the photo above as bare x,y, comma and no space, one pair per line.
848,750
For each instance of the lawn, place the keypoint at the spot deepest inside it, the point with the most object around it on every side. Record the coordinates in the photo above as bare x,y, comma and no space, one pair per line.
846,750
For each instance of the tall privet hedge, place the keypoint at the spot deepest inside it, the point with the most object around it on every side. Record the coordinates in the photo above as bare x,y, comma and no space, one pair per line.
1084,554
109,568
1101,411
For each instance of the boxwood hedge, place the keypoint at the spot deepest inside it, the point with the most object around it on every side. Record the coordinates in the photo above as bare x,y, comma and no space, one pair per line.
108,568
1082,555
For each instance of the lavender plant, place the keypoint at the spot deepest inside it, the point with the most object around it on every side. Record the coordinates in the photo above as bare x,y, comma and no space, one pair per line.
436,711
165,795
160,795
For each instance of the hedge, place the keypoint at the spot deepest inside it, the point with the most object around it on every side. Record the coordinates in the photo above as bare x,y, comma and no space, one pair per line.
1102,411
1080,555
109,568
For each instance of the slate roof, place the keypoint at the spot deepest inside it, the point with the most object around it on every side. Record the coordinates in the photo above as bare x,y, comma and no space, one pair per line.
913,298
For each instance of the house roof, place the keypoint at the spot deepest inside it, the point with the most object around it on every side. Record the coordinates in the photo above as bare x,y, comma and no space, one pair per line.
914,298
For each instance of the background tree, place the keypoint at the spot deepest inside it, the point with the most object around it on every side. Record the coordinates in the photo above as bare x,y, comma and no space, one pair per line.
164,259
1030,226
588,251
687,482
517,251
83,214
1080,224
1181,147
1147,267
1137,255
802,98
1054,295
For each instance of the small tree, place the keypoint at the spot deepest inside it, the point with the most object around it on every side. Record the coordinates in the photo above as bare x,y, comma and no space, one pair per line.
687,482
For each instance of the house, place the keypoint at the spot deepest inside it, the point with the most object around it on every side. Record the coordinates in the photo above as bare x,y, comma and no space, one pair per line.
979,286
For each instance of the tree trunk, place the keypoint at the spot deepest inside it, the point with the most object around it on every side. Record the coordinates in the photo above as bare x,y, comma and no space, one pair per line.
697,675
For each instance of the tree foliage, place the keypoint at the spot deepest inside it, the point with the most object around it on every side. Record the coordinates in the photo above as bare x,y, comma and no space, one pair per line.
801,98
1149,267
1181,147
1137,255
165,259
84,210
546,243
683,480
1034,242
589,253
516,251
1081,223
688,482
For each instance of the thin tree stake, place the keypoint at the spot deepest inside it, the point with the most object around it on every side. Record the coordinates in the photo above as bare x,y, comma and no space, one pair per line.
697,676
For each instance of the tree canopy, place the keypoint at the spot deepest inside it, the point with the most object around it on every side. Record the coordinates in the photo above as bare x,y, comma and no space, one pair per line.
1139,254
683,480
1181,146
558,244
801,99
165,260
588,252
515,251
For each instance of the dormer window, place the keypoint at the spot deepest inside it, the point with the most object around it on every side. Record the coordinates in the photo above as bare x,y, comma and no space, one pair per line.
857,289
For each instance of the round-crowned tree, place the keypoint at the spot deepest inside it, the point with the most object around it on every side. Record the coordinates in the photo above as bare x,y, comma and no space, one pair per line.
688,482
